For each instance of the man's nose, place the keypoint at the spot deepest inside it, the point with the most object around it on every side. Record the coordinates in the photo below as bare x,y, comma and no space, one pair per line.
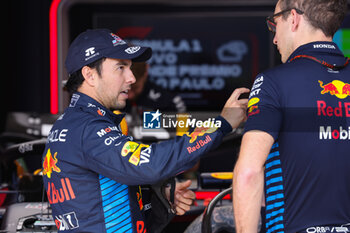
131,78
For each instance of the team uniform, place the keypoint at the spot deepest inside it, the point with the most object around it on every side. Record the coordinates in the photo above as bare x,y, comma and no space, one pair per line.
304,105
92,171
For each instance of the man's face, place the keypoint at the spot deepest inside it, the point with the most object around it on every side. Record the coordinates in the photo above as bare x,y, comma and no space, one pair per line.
283,37
115,82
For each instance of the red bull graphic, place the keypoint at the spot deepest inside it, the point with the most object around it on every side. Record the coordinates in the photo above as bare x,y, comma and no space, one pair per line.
49,164
65,193
346,89
328,88
253,110
337,88
200,143
140,227
200,131
343,109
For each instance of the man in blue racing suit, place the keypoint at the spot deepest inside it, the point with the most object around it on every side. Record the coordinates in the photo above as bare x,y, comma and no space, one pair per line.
92,172
295,148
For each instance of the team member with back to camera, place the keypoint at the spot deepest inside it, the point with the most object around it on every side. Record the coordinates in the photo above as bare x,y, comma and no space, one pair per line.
92,171
295,144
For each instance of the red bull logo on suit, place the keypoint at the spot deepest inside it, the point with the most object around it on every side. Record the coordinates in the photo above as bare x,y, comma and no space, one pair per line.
49,164
337,88
340,90
65,191
200,131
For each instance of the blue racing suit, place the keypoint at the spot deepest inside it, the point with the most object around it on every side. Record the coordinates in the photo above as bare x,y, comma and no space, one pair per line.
92,172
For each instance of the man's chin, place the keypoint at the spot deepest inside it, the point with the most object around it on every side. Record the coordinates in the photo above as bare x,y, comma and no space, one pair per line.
120,105
283,58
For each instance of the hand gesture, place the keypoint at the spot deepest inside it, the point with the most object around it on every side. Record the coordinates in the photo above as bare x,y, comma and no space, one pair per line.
235,109
183,197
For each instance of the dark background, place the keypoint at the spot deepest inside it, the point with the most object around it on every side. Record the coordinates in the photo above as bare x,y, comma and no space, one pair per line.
26,66
25,70
25,39
25,85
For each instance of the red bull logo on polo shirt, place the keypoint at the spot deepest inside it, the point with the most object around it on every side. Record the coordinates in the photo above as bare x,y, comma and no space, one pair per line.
337,88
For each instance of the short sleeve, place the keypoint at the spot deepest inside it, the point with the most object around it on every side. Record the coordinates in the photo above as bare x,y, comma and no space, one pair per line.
264,108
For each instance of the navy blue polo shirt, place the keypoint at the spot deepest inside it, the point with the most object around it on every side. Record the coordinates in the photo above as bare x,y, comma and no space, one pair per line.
305,107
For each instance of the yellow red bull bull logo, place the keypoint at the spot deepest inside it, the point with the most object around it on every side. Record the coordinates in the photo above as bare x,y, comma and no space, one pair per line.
337,88
49,164
200,131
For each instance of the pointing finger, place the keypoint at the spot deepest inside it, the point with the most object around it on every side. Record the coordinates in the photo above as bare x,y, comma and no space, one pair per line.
237,92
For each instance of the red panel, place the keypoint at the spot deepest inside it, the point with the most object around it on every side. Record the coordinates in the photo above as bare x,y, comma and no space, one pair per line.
53,57
210,195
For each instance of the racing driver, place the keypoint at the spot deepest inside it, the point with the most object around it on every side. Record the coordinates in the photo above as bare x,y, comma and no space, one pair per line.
91,171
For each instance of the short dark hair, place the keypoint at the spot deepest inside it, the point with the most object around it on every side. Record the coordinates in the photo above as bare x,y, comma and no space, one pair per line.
76,79
326,15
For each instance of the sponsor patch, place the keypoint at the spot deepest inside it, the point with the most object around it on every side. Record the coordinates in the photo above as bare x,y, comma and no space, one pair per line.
132,50
337,88
49,164
200,131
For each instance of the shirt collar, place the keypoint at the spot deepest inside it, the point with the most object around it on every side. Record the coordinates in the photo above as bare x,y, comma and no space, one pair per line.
317,49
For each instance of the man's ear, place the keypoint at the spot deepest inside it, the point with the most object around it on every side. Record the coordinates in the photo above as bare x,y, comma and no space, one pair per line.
296,18
89,75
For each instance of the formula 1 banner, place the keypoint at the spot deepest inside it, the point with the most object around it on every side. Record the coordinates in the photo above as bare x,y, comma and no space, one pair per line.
202,58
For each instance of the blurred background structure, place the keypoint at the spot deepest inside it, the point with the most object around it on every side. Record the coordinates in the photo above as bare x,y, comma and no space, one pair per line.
203,49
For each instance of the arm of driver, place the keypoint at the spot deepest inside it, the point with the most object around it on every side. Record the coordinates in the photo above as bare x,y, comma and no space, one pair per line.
248,180
235,109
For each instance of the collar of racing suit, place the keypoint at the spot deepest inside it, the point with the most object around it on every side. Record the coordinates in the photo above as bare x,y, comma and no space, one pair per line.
91,105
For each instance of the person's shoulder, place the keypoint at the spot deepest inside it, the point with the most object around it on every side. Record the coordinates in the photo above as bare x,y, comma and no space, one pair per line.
276,71
284,72
83,116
